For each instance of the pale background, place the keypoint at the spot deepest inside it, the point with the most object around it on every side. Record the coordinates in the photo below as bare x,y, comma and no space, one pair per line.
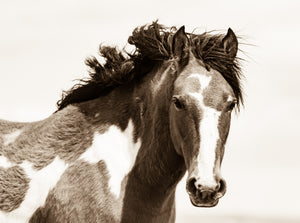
43,45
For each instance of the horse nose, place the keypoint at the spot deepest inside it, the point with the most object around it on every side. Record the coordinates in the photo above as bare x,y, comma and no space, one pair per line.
195,186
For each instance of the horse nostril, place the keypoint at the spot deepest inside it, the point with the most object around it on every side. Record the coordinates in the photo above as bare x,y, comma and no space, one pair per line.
218,186
222,186
190,186
198,185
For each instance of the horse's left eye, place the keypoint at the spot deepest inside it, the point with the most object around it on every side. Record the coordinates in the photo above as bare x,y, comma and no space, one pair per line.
178,104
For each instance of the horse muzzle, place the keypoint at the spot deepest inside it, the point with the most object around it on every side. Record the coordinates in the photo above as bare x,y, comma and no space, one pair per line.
202,195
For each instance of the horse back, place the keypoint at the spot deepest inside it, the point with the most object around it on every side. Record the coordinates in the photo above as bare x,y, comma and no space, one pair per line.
9,130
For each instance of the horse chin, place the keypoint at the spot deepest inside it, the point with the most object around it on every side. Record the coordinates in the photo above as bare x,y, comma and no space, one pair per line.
199,203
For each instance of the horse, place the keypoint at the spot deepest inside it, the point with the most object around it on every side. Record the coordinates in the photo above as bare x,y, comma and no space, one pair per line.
121,140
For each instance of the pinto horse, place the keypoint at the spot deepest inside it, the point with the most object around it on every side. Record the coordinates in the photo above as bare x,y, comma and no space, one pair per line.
121,140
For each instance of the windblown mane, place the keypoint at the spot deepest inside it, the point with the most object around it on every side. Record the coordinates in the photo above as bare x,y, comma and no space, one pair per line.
152,44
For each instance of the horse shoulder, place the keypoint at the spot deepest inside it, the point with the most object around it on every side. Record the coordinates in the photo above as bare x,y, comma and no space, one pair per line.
81,195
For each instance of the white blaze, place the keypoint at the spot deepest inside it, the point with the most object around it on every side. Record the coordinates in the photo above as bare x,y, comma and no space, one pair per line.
209,135
208,143
118,150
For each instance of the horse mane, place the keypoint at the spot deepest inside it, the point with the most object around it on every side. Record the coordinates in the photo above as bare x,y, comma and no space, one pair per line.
153,43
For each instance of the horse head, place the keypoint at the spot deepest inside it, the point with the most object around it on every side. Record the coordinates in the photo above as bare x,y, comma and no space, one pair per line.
199,118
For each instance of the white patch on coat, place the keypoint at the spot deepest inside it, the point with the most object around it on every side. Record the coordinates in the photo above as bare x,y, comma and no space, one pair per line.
118,150
203,79
5,163
41,182
209,133
11,137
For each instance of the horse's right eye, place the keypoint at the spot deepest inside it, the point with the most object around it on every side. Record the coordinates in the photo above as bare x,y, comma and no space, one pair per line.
177,103
231,105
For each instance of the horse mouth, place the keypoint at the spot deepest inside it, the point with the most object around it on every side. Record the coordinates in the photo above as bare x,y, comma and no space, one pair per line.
198,202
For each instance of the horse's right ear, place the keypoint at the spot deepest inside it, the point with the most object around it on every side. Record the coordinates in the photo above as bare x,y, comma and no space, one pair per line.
180,44
230,43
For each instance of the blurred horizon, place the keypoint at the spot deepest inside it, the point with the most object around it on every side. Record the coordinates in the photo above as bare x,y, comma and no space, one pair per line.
43,46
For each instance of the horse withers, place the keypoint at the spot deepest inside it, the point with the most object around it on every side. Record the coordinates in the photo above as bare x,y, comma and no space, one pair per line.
120,141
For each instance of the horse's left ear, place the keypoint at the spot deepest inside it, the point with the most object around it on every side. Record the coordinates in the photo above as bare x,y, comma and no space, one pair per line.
180,43
230,43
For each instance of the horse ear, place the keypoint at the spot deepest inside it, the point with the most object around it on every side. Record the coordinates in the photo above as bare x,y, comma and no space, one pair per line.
230,43
180,43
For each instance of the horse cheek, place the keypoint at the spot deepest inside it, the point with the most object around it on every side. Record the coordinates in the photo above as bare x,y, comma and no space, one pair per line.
175,133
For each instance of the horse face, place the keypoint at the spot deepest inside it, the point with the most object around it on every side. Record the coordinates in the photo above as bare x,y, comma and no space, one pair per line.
200,115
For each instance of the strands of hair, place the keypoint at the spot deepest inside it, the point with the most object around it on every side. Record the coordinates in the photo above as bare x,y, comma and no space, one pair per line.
153,43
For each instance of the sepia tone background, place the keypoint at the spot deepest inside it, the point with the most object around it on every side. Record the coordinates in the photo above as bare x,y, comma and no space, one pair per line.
43,45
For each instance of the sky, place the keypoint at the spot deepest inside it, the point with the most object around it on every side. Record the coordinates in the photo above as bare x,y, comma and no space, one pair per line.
43,45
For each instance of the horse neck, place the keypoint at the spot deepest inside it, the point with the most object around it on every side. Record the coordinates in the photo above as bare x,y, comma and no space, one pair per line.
158,166
157,150
150,190
115,108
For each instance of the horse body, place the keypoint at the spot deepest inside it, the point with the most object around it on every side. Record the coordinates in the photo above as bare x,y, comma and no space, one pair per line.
118,156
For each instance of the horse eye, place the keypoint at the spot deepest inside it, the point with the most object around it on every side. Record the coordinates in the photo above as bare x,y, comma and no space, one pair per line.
178,104
231,106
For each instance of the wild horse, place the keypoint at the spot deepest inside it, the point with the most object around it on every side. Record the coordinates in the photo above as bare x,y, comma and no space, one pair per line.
121,140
